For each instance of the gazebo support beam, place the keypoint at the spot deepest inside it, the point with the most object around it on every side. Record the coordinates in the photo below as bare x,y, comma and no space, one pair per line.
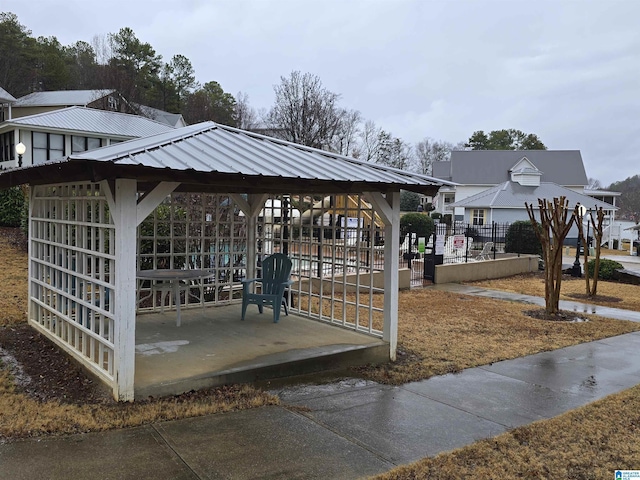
151,199
251,208
388,208
124,216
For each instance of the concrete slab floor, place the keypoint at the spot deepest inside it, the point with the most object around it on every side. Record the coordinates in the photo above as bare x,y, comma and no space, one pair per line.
214,342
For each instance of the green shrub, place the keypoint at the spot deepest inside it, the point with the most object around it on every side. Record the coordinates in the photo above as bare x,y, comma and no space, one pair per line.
12,204
607,270
418,223
409,201
521,238
436,215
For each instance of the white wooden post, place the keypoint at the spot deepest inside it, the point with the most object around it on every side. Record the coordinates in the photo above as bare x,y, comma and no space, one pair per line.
388,208
31,287
125,219
251,208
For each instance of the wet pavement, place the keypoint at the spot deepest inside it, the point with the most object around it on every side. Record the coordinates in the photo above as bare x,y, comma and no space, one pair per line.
347,429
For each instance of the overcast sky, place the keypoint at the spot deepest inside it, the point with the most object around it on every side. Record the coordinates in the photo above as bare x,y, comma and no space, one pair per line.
567,71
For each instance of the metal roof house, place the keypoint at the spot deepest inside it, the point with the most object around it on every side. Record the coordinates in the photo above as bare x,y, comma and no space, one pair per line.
492,185
65,131
6,101
6,97
42,102
505,203
175,120
101,99
477,170
191,198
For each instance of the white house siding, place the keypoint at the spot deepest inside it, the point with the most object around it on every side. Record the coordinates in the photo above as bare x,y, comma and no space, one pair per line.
461,192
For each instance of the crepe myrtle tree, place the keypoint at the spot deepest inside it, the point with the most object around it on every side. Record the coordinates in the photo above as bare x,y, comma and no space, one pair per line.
551,230
596,224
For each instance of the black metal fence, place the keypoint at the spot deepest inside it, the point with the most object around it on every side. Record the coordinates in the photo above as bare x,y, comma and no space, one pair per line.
462,243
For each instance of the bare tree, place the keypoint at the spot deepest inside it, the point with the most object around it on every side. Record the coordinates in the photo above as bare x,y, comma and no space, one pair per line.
428,151
369,136
102,48
598,231
304,111
246,116
551,231
345,141
393,151
594,184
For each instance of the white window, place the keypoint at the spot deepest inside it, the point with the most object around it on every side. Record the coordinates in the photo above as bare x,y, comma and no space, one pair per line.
478,217
82,144
7,148
113,103
47,146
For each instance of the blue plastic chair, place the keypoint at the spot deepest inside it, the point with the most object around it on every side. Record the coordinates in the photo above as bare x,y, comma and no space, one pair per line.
276,277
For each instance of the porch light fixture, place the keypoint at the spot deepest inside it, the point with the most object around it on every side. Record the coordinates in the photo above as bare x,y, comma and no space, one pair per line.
20,149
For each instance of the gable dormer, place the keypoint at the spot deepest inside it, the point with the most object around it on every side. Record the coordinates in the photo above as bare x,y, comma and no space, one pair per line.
525,173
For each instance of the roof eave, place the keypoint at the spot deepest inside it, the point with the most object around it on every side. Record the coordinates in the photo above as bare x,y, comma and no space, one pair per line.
70,170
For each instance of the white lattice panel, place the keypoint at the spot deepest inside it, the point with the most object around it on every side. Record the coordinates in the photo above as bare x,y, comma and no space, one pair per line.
71,247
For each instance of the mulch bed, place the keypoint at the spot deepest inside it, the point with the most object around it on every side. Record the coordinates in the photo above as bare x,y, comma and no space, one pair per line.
560,316
583,297
47,373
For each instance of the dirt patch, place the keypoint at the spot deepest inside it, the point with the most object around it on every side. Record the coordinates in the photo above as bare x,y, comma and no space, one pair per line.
583,297
561,316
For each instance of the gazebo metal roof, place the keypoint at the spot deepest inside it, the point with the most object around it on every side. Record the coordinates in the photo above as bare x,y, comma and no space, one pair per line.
208,157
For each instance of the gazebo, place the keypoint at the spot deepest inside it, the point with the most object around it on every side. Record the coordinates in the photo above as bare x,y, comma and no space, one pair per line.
192,198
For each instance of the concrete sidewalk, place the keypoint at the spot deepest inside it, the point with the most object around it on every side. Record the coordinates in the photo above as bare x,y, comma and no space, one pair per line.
350,429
